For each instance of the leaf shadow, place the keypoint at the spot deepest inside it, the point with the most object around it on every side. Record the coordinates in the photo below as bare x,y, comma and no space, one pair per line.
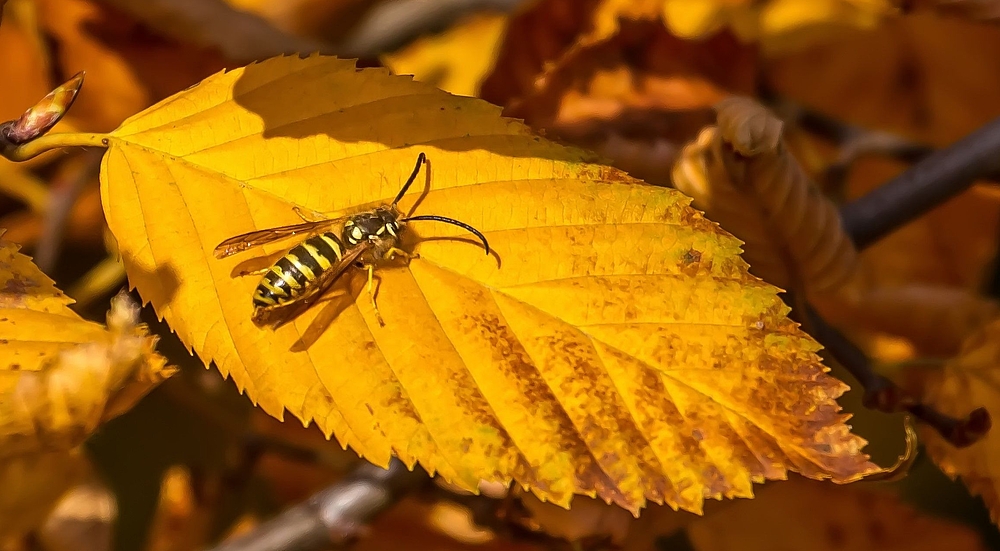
167,282
451,123
334,302
253,264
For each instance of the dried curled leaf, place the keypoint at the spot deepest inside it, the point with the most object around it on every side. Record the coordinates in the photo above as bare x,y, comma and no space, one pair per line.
600,525
638,86
741,174
934,89
60,377
935,319
971,378
801,514
614,345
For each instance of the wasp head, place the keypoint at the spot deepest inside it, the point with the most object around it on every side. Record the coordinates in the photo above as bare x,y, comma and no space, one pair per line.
379,225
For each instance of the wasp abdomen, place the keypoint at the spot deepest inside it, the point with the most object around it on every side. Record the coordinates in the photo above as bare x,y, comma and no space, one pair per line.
298,269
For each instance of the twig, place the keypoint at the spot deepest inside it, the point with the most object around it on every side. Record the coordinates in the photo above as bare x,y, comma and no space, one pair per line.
100,280
63,195
883,395
240,36
927,184
857,140
393,24
336,516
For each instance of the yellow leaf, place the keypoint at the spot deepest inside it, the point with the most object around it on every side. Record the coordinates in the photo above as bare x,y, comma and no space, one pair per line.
786,25
972,377
613,344
124,63
698,18
742,174
801,514
456,60
60,377
776,24
32,485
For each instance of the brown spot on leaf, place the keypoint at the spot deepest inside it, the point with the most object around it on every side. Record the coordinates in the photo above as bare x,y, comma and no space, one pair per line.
18,285
690,263
513,360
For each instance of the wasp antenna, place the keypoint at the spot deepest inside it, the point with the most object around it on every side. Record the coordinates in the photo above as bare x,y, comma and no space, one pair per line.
421,159
453,222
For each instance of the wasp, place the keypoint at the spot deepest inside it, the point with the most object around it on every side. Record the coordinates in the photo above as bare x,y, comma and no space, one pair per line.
306,271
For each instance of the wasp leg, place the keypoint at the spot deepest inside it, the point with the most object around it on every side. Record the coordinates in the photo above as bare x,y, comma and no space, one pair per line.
395,251
330,296
308,215
244,273
371,293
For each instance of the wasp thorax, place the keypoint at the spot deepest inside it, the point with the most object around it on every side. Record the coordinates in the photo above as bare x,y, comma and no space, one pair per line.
377,225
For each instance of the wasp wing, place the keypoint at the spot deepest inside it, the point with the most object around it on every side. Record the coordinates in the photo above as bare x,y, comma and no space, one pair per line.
245,241
280,314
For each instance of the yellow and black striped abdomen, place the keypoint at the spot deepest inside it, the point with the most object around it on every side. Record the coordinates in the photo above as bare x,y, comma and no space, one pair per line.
293,274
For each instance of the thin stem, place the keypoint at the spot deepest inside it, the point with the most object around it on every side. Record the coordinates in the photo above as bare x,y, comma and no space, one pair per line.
927,184
64,193
336,516
51,142
97,282
883,395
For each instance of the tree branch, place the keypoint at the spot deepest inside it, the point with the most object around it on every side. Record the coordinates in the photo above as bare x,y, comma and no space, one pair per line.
938,177
336,516
883,395
396,23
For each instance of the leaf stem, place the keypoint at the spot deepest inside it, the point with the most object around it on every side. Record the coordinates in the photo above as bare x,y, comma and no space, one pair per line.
65,191
334,517
883,395
940,176
50,142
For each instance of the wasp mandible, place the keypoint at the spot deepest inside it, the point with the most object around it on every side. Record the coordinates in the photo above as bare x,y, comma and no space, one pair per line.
310,268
